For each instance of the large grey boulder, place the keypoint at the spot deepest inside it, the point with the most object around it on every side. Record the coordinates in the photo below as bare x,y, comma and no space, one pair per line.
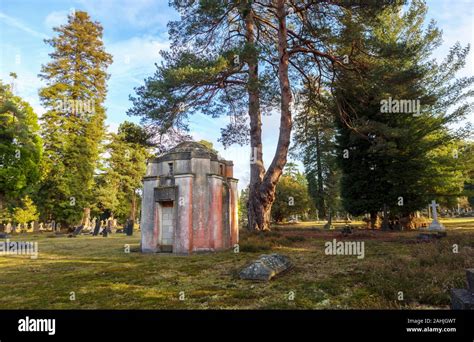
266,267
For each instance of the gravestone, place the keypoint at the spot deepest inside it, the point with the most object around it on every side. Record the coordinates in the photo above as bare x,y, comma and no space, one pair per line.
435,225
129,227
97,228
109,223
266,267
463,299
346,230
108,226
431,236
78,230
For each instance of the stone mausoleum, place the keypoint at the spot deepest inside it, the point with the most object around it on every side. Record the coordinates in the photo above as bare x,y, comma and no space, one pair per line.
189,202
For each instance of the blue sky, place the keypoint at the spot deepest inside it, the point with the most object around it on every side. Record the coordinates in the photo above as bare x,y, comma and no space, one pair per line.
134,32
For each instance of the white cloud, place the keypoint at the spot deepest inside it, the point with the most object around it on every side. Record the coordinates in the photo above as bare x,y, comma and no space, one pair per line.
13,22
135,56
56,18
455,18
26,86
134,60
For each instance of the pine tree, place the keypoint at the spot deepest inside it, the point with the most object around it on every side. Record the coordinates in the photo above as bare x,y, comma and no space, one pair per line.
315,146
73,126
118,185
26,212
394,159
242,59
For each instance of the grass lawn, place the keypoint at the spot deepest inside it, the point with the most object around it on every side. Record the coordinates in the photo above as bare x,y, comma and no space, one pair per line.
102,275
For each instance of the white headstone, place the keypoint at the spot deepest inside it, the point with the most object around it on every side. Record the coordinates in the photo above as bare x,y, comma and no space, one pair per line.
435,225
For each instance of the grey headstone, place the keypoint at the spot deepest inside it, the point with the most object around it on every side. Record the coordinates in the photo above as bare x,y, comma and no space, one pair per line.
78,230
129,227
266,267
97,228
431,236
462,299
470,279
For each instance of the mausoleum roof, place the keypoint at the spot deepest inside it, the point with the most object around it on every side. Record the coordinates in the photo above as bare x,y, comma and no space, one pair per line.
188,150
190,146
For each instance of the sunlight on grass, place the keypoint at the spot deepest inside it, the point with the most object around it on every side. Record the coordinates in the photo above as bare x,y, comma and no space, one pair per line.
103,276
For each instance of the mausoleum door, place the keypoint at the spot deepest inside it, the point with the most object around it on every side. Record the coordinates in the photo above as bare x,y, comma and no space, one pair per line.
167,223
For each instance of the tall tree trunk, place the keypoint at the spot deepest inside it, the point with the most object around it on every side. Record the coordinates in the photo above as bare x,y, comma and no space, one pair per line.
133,209
385,222
373,220
258,214
262,191
2,200
2,226
321,204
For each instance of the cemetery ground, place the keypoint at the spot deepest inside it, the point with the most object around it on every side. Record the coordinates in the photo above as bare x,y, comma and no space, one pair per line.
100,275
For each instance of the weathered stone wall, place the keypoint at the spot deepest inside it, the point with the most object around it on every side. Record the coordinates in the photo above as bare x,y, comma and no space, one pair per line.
233,210
201,231
215,223
148,224
225,216
183,242
204,196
